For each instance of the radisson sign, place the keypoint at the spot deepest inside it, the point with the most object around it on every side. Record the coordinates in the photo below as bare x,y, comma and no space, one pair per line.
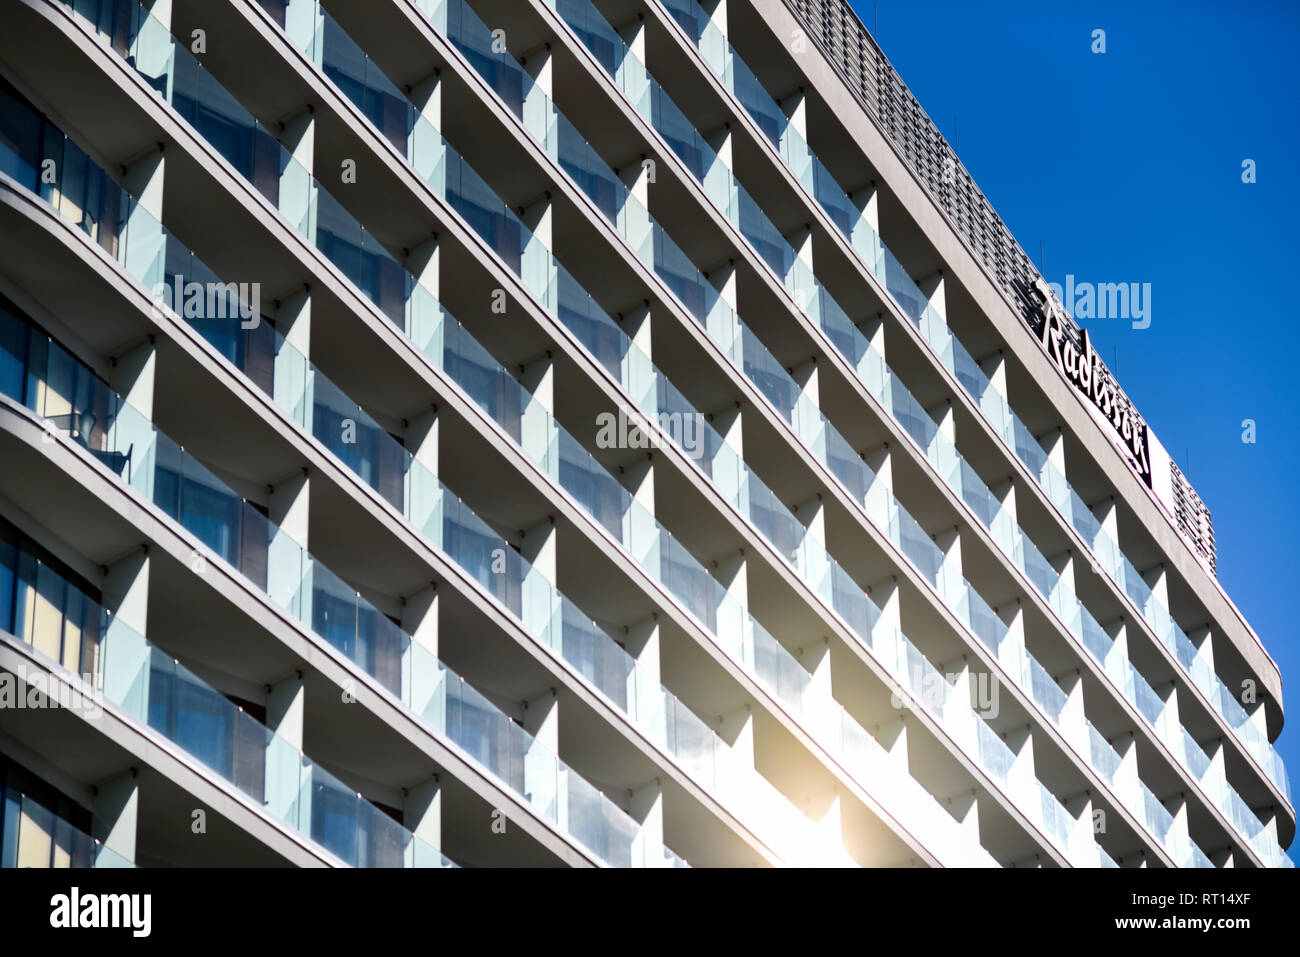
1084,369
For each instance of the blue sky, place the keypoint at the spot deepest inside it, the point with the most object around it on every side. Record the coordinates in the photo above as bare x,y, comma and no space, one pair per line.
1127,167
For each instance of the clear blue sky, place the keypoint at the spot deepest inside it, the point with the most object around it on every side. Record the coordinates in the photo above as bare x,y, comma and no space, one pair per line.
1127,166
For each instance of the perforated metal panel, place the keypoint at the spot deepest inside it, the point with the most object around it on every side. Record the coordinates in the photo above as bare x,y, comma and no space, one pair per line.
834,26
1193,517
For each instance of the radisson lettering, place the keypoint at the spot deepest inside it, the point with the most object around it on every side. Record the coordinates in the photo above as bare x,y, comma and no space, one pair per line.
1086,372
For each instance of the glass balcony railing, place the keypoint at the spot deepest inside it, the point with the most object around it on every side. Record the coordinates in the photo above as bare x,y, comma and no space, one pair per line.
43,839
322,409
419,312
318,40
549,617
343,62
118,666
773,520
857,231
781,389
47,379
353,72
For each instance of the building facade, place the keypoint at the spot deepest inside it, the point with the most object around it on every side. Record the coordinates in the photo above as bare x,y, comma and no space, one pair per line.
570,433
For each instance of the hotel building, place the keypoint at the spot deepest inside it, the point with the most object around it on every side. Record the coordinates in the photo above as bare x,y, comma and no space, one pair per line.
570,433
